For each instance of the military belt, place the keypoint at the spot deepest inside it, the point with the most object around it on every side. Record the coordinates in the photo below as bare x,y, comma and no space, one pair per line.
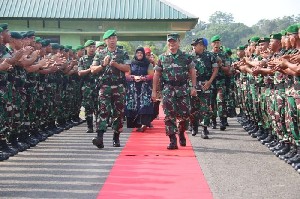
3,83
279,86
175,83
297,86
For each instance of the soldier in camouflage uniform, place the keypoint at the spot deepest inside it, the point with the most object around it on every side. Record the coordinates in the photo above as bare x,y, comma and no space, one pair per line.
218,101
89,92
206,72
175,67
111,63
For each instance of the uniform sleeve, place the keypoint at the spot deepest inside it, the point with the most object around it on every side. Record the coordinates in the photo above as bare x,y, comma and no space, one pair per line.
80,64
213,60
158,66
97,60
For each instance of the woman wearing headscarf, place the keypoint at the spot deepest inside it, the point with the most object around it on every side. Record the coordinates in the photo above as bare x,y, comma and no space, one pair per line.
139,106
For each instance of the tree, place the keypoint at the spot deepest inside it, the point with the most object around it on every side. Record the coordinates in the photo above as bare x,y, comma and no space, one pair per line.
221,18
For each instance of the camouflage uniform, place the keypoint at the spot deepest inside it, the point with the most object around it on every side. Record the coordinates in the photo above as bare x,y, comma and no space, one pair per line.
176,98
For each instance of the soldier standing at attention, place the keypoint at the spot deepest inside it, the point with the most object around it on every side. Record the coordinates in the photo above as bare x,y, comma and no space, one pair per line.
176,68
111,63
89,93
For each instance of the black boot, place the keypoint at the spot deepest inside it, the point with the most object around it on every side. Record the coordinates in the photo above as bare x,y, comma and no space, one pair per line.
194,129
182,140
173,142
204,133
98,141
214,123
116,139
89,121
222,124
7,149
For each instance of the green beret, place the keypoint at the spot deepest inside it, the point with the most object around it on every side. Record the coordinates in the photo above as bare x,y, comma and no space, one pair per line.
68,47
292,29
61,47
240,48
4,26
174,36
109,33
228,51
16,35
30,33
101,43
46,42
254,39
79,47
276,36
89,43
264,39
38,39
55,46
283,32
24,35
215,38
1,29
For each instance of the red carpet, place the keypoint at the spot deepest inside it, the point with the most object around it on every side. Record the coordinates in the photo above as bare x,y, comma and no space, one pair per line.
145,169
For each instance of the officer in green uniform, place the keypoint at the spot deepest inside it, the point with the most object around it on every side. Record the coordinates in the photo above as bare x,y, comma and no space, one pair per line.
175,67
89,92
206,72
111,63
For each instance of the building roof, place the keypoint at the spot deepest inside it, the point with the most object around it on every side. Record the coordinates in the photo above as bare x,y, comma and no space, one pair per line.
92,9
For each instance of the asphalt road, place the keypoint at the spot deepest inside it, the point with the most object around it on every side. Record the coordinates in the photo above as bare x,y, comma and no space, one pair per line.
67,165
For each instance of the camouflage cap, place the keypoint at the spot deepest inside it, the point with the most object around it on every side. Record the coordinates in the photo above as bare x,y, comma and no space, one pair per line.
16,35
109,33
89,43
215,38
174,36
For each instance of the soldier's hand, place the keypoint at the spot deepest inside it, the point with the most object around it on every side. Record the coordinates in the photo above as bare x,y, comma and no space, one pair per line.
206,85
113,63
193,91
5,66
106,60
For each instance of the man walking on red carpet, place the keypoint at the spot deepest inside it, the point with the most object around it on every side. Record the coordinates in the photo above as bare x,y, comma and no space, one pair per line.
176,68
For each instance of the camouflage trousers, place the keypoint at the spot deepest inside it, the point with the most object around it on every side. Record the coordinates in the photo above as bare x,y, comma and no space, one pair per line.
256,105
89,99
264,99
176,105
278,118
200,108
3,111
111,103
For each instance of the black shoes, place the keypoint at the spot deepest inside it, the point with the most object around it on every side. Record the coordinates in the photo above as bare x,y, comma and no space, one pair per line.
90,130
173,142
116,139
204,133
182,140
98,141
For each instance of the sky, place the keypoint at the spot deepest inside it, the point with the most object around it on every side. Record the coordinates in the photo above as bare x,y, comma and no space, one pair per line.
242,13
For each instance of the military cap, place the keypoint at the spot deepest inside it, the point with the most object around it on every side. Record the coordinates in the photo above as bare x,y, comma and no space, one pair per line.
4,26
100,43
1,30
55,46
292,29
283,32
254,39
24,35
264,39
202,41
276,36
30,33
240,48
68,47
16,35
215,38
44,43
89,43
38,39
109,33
79,47
174,36
228,51
47,42
61,47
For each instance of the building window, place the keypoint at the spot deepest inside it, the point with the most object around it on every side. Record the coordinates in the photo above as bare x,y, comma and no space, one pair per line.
53,38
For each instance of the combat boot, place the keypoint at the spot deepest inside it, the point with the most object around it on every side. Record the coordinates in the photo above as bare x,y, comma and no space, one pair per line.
3,156
98,141
222,124
7,149
182,139
194,129
214,123
116,139
89,121
173,142
204,133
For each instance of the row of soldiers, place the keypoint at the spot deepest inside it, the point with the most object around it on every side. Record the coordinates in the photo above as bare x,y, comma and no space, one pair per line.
40,89
268,91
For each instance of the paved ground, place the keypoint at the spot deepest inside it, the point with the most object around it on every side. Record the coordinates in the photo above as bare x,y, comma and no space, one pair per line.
67,165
